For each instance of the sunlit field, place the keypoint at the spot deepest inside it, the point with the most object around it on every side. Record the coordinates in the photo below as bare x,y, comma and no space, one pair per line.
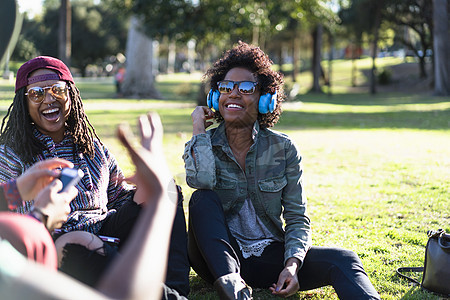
376,168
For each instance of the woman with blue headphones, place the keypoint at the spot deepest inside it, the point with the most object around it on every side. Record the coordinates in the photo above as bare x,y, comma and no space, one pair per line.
248,224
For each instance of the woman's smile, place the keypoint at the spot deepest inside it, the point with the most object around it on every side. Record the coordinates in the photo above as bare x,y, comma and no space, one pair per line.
52,114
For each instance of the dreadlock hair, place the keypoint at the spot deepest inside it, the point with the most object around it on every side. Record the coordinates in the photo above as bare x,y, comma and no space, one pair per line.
16,131
256,61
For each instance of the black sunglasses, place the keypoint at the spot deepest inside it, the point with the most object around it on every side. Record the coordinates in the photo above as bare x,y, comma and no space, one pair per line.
244,87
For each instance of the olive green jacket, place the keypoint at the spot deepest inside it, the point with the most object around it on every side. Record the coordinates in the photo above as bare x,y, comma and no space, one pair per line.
271,179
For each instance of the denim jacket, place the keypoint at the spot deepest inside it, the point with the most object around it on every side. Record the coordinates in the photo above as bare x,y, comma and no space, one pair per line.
271,179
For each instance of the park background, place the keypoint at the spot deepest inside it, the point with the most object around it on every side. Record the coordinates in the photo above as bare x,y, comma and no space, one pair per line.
372,126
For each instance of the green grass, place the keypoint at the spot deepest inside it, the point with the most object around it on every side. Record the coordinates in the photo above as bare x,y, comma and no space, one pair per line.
376,169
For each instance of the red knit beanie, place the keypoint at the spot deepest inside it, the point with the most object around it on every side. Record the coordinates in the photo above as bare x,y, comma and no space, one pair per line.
42,62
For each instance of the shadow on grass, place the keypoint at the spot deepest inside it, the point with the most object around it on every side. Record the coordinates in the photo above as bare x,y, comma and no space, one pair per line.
416,293
434,119
174,121
179,120
385,99
200,290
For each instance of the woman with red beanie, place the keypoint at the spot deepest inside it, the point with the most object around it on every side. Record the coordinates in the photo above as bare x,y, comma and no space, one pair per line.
46,120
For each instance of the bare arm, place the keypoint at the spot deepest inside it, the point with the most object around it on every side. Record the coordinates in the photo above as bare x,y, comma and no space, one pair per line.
27,186
140,271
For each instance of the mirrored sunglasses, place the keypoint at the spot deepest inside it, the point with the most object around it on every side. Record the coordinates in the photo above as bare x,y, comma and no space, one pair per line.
244,87
57,91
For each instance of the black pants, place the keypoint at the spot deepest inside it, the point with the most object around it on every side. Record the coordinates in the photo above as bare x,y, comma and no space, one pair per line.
87,266
213,252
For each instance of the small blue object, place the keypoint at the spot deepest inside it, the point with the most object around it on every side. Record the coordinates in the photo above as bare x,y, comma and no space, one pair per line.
267,103
212,100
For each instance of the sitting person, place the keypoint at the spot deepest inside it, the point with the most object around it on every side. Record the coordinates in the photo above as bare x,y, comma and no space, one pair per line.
46,120
137,273
247,220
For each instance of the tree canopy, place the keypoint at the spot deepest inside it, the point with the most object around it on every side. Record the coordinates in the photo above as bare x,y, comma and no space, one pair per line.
284,29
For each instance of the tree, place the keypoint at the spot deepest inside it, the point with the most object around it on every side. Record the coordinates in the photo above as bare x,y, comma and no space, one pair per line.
417,16
139,80
11,22
320,16
354,31
150,19
65,32
441,47
99,32
376,7
366,16
317,58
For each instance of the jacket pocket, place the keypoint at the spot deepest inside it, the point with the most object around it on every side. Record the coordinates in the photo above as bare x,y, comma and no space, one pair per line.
271,190
226,189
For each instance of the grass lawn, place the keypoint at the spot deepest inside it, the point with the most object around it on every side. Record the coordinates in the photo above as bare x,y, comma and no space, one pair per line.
376,169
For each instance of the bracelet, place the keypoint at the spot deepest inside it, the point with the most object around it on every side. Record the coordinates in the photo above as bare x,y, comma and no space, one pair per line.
39,215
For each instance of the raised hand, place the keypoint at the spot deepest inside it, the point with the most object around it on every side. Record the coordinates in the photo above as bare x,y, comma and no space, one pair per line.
152,175
200,117
39,176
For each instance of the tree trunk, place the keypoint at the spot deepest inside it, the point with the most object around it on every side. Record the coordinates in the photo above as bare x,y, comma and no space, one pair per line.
441,46
423,72
201,96
139,79
330,61
191,55
317,55
295,57
65,30
11,25
279,52
155,58
373,79
171,57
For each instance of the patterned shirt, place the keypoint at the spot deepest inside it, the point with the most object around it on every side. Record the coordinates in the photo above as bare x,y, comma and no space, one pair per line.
10,194
100,192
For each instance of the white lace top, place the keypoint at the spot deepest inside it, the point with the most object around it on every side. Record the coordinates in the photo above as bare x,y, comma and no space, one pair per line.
248,230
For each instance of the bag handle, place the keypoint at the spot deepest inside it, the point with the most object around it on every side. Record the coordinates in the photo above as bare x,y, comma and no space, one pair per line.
409,269
442,237
444,241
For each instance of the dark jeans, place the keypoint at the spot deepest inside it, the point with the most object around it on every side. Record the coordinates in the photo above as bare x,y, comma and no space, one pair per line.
121,225
213,252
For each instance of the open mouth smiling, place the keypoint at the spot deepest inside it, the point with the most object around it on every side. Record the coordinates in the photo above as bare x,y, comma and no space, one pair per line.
234,106
51,114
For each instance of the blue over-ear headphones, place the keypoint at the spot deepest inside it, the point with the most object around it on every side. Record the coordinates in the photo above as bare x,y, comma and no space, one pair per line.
267,102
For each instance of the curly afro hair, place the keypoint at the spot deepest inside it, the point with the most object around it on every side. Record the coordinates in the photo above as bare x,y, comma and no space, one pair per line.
256,61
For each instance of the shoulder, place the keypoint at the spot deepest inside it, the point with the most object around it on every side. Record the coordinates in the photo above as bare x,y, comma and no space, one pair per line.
274,135
11,165
275,141
100,149
8,155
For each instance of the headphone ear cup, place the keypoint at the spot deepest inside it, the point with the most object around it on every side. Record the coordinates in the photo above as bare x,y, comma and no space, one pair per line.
267,103
208,98
212,100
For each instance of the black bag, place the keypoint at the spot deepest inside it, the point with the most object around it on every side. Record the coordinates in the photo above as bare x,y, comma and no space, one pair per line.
436,269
